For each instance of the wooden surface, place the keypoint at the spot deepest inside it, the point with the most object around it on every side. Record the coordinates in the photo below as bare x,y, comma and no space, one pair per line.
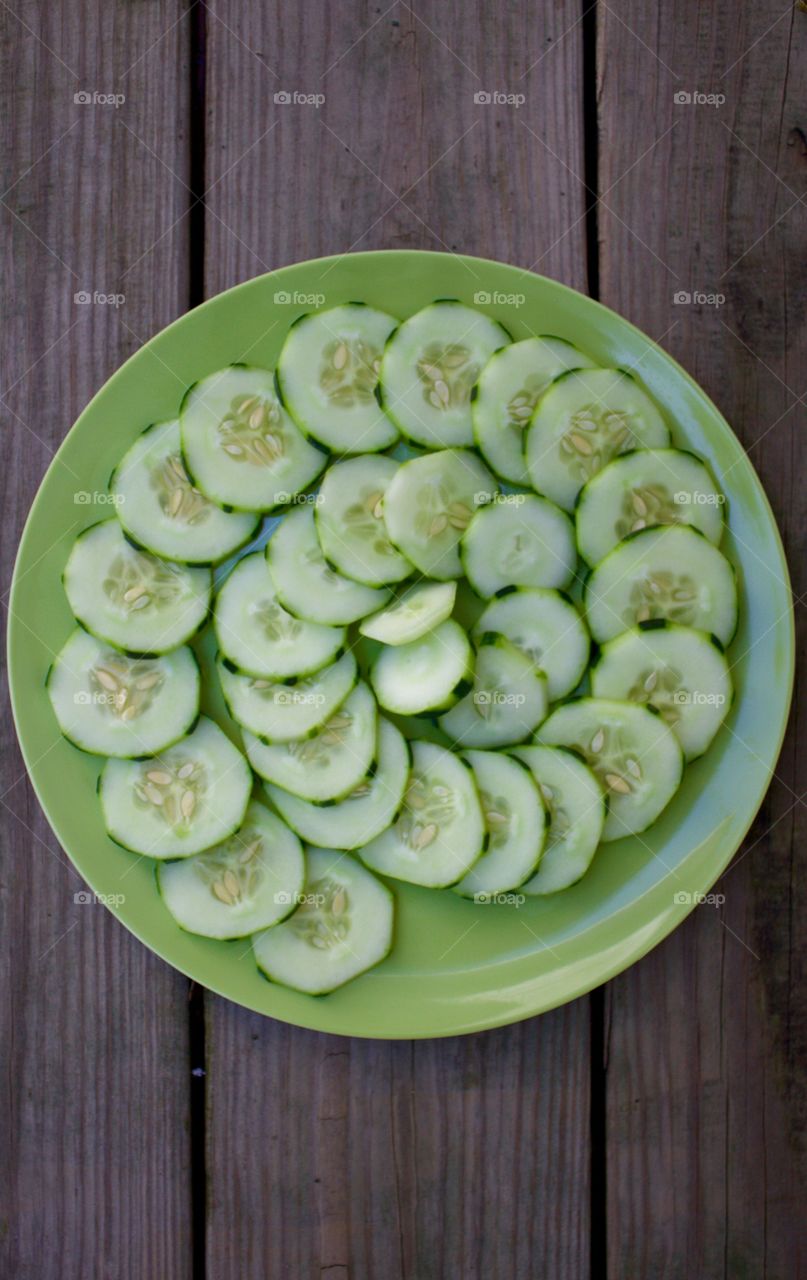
654,1129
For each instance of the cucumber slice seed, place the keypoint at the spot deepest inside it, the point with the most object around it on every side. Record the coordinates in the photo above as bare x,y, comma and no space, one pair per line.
163,511
129,598
342,927
509,387
249,882
111,704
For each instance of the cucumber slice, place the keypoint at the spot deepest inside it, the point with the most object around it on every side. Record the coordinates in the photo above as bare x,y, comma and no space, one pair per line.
342,928
417,611
429,504
306,584
249,882
682,673
258,636
519,541
577,808
327,372
508,700
130,599
635,755
429,369
350,523
184,800
516,823
416,677
329,764
280,712
583,421
673,573
509,387
161,510
440,831
239,445
112,705
644,488
547,627
367,810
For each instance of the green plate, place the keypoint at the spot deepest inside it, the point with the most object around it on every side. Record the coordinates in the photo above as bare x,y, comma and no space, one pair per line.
455,967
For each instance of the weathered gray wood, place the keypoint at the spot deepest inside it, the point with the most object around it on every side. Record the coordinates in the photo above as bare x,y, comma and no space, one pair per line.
462,1157
706,1038
94,1179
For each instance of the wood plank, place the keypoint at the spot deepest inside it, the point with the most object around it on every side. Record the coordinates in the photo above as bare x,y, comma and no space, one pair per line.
705,1091
94,1179
433,1159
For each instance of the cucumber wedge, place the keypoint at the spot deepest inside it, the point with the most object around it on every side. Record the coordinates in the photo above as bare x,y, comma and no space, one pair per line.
630,749
509,387
184,800
328,372
161,509
306,584
239,445
440,831
129,598
672,573
342,928
577,809
112,705
584,420
258,636
250,882
429,368
516,823
681,673
329,764
366,811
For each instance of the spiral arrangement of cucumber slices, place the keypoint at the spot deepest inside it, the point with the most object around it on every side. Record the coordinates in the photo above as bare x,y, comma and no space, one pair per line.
406,662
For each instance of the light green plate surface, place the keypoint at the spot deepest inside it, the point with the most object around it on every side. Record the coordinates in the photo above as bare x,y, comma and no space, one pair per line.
455,967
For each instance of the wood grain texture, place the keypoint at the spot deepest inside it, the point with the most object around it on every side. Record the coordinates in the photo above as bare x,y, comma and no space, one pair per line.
705,1051
94,1180
425,1161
